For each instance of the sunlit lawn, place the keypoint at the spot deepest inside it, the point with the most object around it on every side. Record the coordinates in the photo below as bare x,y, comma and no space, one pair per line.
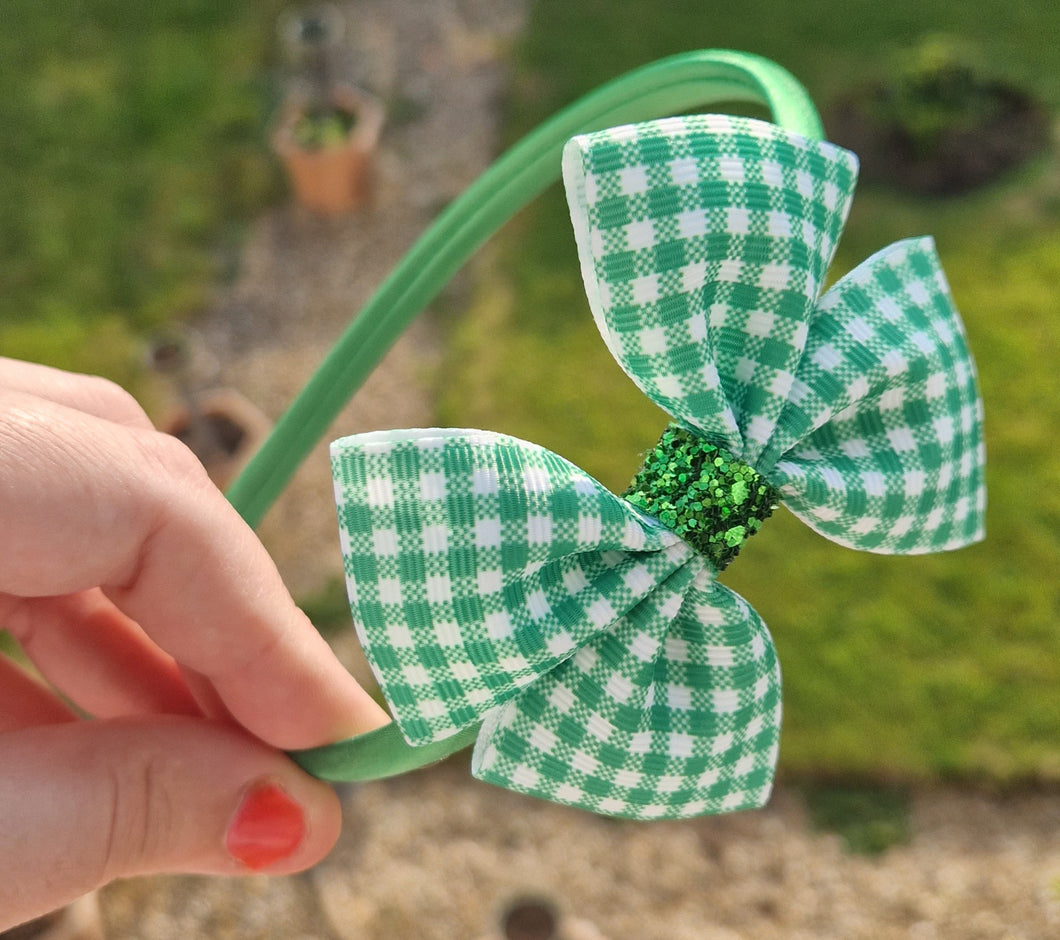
132,146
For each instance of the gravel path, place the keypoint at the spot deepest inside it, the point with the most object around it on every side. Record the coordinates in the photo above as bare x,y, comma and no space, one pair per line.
302,277
435,854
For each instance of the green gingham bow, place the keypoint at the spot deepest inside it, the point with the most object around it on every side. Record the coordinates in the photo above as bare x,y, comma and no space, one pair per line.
494,582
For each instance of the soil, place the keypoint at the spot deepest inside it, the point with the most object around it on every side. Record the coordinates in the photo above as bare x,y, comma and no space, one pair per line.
960,160
223,433
435,854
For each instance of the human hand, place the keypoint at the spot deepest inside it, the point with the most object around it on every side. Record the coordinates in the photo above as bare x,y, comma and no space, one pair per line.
142,597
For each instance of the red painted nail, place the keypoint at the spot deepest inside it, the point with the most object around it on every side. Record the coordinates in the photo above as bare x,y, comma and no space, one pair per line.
267,828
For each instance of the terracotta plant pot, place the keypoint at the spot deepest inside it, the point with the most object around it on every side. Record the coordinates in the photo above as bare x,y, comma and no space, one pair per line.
224,432
538,918
336,178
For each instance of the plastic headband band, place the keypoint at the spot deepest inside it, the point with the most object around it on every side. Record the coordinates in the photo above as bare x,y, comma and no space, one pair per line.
675,85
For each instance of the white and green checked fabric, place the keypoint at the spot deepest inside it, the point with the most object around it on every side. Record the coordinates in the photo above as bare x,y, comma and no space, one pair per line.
485,571
492,559
703,244
494,582
673,711
880,444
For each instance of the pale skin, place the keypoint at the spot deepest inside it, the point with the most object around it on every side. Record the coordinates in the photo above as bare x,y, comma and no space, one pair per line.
142,597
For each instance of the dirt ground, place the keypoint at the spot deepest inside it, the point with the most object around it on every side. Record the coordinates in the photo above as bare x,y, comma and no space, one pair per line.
436,854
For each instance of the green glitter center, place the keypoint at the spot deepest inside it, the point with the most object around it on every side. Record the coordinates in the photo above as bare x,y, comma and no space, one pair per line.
703,493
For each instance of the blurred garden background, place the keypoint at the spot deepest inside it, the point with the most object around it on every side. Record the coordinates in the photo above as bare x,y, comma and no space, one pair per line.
135,151
138,186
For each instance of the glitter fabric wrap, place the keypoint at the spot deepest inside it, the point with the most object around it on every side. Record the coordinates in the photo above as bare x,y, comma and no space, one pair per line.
714,501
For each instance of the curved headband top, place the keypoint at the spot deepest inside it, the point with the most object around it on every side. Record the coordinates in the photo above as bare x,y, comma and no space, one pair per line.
581,639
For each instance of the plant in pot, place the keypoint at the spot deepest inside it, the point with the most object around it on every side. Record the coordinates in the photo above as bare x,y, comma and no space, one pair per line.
220,426
937,123
328,130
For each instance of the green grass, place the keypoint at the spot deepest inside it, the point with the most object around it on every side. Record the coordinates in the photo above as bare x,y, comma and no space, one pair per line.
134,147
329,607
911,668
869,820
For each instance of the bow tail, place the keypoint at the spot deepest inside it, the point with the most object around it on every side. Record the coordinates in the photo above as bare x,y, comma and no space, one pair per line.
881,445
673,713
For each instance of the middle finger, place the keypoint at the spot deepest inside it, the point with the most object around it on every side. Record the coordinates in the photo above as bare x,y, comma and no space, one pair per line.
25,702
98,657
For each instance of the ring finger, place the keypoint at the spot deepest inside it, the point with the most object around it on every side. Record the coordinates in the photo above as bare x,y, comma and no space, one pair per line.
98,657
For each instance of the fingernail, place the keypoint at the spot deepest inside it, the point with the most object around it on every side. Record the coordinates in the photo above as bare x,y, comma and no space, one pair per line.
268,827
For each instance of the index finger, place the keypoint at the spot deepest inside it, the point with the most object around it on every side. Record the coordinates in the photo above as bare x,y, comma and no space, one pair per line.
89,393
86,502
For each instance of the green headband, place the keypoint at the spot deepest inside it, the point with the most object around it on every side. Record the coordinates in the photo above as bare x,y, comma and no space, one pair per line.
580,639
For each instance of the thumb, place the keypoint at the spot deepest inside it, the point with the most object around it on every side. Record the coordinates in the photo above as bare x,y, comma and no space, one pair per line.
86,802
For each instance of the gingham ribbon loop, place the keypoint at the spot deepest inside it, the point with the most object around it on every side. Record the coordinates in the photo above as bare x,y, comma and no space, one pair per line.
493,581
704,242
478,562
